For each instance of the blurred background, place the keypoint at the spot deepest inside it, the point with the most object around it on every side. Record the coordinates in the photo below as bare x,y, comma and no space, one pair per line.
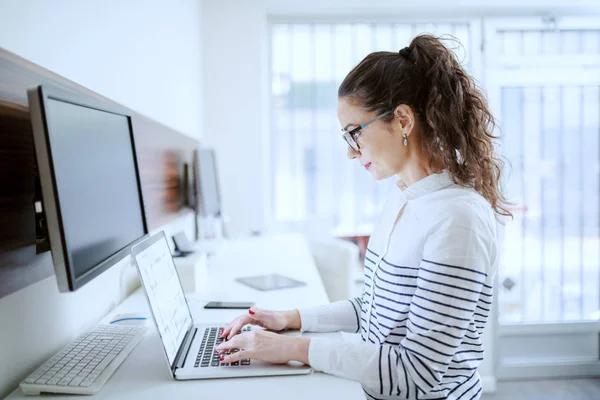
257,81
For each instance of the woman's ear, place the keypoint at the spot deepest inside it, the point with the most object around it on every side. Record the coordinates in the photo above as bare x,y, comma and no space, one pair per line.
404,118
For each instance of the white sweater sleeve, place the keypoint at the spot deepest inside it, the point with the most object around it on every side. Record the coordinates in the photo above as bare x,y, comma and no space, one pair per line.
451,278
338,316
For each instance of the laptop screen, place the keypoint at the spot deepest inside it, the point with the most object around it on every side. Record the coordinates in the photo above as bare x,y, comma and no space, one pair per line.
165,294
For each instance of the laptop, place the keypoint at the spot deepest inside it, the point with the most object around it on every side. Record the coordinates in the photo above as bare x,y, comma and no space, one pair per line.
190,346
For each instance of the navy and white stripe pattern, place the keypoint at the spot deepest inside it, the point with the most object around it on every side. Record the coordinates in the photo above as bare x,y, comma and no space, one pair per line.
426,299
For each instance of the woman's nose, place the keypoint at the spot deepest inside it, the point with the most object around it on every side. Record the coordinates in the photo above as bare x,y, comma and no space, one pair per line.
352,154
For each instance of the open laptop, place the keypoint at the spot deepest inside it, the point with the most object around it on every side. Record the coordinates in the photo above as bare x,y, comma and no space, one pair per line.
190,347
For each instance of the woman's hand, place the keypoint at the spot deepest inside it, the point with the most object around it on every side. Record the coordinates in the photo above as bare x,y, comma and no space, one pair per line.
271,320
266,346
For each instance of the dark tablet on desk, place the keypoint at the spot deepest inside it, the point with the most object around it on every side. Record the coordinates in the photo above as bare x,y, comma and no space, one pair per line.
270,282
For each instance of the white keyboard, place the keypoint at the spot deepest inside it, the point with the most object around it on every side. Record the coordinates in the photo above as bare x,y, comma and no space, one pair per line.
85,365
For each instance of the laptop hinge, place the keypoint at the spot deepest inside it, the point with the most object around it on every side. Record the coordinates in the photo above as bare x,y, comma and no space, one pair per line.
184,349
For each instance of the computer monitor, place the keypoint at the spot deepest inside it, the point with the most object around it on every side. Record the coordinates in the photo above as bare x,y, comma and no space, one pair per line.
208,198
90,182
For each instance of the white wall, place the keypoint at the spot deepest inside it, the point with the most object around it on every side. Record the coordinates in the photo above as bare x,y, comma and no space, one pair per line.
144,54
234,72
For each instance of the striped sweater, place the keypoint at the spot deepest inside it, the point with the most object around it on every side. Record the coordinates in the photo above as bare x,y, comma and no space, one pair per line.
426,298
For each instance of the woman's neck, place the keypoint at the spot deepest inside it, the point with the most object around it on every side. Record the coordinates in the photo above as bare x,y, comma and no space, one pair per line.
417,171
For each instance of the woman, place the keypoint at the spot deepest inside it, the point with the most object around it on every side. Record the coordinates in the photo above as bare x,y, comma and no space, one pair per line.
431,260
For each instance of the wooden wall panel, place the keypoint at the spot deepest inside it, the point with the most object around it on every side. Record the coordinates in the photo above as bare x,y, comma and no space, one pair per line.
161,154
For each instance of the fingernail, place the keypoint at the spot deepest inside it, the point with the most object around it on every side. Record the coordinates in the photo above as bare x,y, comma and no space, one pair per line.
251,312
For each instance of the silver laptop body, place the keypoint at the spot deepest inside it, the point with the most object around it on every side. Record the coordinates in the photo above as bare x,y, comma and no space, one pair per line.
189,347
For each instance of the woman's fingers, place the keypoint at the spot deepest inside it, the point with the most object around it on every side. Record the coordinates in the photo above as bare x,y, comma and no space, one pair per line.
256,316
239,324
237,356
234,343
236,328
235,346
229,328
266,318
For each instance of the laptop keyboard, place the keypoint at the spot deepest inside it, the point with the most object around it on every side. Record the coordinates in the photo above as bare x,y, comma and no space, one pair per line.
207,354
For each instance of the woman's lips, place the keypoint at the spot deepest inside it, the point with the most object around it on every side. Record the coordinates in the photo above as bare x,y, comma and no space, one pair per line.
367,165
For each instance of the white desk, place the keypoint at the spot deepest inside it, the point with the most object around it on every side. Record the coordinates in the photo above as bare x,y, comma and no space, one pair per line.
145,373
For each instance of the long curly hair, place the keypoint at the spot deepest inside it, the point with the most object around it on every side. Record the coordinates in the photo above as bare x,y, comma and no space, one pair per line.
457,126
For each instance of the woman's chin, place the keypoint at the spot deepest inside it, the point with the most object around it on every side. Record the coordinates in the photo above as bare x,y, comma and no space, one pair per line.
375,175
379,176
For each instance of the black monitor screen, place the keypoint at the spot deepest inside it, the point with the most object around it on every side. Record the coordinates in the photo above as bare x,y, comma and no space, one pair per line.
96,182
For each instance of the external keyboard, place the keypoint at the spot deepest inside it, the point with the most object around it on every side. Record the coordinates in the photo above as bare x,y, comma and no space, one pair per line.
207,354
85,365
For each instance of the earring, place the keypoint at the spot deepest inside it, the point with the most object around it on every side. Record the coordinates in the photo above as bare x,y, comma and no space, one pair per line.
405,139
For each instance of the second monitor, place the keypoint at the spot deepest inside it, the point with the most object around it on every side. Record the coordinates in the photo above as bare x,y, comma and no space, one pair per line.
207,199
208,196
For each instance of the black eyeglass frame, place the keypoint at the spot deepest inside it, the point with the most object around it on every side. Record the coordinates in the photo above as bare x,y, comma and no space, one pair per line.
351,136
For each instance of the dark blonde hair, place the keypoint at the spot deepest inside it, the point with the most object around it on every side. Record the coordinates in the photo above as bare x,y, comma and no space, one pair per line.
457,126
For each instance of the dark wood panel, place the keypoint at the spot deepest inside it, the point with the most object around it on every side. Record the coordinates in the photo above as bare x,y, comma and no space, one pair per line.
16,179
161,154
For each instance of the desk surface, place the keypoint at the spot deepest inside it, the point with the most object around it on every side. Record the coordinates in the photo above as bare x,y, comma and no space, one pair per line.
145,373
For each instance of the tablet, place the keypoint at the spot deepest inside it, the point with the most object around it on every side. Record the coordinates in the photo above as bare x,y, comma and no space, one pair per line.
270,282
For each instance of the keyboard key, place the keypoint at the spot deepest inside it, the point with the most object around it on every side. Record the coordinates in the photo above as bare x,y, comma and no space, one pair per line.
65,381
53,381
77,381
87,382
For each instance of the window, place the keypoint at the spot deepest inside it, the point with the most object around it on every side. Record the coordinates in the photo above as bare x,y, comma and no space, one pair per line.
544,80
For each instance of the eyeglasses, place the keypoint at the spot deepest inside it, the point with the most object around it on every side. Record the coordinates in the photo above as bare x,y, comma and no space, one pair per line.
351,136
